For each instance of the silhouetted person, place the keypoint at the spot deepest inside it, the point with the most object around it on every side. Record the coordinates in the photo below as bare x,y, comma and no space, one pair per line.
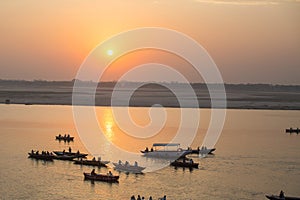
93,172
146,150
132,197
281,195
150,198
70,150
139,197
151,149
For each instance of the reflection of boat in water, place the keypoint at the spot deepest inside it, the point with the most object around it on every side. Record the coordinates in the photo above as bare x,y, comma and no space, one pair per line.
92,162
166,150
101,177
126,167
47,157
184,163
276,197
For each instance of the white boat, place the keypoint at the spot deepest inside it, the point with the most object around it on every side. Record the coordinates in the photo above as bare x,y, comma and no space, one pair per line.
126,167
204,150
166,150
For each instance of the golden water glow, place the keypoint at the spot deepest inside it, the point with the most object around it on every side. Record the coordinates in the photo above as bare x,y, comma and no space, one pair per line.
107,123
120,138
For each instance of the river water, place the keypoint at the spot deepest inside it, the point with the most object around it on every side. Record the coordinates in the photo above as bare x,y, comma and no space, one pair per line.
254,156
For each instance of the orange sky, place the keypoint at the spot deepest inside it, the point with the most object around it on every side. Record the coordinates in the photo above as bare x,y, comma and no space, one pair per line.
251,41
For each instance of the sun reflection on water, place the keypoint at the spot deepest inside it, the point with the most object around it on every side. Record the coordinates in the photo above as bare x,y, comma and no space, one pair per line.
107,124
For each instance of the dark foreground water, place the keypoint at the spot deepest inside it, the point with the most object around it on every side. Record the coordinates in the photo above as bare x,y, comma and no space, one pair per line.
254,157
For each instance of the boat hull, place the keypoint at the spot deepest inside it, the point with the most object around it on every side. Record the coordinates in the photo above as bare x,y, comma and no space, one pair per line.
128,168
184,164
166,154
64,157
76,155
91,163
292,130
64,138
41,156
276,197
203,151
101,177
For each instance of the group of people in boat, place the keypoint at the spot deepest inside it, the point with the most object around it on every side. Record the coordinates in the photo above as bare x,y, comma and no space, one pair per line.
70,151
127,163
147,150
43,152
93,173
143,198
65,136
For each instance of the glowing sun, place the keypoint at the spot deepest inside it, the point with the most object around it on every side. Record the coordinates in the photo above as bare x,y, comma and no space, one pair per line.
110,52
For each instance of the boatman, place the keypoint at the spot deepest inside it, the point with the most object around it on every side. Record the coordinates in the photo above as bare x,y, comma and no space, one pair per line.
281,195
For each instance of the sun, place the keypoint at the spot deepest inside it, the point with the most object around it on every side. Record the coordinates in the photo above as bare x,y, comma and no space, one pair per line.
110,52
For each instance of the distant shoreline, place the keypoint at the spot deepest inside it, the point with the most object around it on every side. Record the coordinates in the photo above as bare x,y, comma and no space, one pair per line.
240,96
231,108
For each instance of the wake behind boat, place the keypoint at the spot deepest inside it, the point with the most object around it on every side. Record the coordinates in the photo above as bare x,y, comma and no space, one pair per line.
126,167
165,150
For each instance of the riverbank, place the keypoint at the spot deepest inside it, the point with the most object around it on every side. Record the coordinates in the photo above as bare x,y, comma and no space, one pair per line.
242,96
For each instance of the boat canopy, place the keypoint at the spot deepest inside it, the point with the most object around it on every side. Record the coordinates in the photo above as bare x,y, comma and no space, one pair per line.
165,144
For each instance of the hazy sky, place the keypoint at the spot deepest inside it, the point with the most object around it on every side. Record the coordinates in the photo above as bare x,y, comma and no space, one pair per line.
251,41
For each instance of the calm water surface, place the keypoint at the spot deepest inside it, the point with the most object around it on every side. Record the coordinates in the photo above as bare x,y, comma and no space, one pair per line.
254,157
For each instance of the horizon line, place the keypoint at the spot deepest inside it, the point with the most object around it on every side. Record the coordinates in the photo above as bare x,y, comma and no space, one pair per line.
125,81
